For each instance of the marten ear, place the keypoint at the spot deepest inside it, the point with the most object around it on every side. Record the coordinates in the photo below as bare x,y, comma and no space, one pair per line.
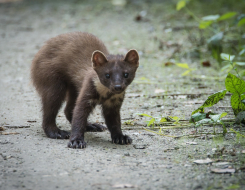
98,59
132,57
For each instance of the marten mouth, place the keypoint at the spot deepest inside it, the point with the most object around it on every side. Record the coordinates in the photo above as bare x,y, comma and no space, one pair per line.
117,92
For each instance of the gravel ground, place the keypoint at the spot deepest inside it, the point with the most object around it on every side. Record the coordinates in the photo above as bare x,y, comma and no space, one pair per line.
30,160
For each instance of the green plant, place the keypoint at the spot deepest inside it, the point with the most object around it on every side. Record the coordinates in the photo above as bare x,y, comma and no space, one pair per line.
231,65
154,121
185,66
218,27
234,85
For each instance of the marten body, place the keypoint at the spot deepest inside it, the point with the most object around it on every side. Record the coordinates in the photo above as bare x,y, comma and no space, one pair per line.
77,68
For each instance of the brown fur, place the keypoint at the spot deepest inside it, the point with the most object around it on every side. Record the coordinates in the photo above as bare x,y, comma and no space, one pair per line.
72,67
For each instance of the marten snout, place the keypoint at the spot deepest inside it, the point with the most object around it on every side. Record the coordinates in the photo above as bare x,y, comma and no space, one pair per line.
118,87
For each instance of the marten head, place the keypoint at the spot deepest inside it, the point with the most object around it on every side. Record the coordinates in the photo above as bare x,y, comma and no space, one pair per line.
115,72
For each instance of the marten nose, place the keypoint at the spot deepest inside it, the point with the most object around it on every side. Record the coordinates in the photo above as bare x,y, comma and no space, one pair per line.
118,87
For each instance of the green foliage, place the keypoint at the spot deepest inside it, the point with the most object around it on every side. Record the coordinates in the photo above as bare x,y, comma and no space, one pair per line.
159,120
208,118
186,67
227,16
241,22
128,122
197,117
181,4
210,19
240,118
216,25
236,86
213,99
239,135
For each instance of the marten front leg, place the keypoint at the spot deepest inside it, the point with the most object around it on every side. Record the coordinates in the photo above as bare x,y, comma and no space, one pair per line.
79,121
113,122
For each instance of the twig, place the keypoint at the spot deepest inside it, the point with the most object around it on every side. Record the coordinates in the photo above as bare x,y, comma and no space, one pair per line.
9,133
16,126
158,133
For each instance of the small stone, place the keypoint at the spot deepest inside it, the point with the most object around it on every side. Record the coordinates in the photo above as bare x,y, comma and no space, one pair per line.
207,161
137,146
191,143
223,171
221,163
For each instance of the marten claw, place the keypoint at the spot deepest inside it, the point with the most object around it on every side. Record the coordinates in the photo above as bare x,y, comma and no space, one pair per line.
123,139
77,144
58,134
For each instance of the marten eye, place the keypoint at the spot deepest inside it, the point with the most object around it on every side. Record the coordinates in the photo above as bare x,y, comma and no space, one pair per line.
107,76
126,75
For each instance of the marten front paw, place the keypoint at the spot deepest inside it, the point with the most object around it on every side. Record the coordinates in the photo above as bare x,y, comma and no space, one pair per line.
57,134
77,143
95,127
121,139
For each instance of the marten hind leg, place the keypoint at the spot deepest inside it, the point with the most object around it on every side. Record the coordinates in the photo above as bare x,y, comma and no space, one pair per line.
52,100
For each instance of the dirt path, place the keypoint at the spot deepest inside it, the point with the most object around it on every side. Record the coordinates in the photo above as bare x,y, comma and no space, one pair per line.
29,160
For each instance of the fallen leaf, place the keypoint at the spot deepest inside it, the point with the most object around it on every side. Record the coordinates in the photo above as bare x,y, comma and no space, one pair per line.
207,161
9,133
168,63
223,171
206,64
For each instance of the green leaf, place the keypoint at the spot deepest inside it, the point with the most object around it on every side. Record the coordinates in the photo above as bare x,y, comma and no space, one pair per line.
163,119
175,118
204,121
205,24
213,99
227,15
151,122
143,114
234,85
185,73
216,38
180,5
236,103
240,118
227,57
241,22
210,17
217,117
240,63
227,67
197,117
183,65
242,51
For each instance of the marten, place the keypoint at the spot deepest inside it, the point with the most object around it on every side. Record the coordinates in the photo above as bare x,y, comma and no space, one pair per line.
77,68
